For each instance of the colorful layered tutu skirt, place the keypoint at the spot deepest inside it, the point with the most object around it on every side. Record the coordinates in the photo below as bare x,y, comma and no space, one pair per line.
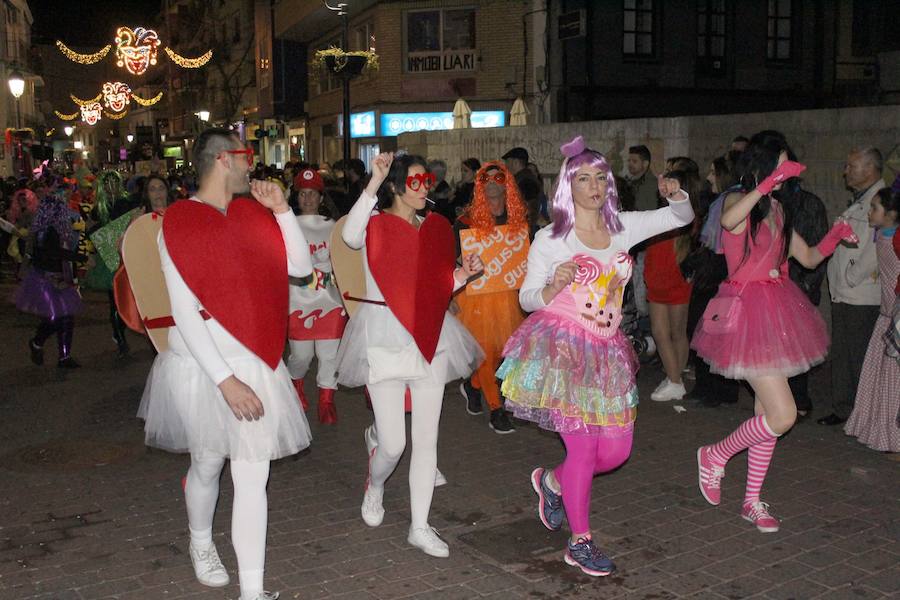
567,378
779,333
47,295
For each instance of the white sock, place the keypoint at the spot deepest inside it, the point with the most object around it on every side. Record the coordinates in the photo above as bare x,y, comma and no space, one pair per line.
201,539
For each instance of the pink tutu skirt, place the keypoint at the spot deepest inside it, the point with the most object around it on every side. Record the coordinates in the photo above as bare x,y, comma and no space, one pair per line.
779,333
566,379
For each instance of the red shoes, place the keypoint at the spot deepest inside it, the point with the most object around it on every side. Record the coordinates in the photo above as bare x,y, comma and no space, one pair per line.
327,411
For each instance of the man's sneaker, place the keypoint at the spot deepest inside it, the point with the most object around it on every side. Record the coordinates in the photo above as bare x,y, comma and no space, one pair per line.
207,566
427,540
758,514
472,396
500,422
587,557
372,509
550,506
371,438
439,478
37,352
710,476
668,391
267,596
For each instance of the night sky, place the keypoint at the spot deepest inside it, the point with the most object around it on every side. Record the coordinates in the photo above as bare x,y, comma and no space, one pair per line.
89,23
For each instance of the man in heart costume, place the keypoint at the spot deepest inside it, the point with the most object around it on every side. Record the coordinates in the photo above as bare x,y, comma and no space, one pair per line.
317,316
220,391
402,336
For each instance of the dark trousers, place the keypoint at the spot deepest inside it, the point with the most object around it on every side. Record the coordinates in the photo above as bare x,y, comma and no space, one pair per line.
800,390
851,328
706,384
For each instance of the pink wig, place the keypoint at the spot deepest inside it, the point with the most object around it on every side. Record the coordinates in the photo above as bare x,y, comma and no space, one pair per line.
564,203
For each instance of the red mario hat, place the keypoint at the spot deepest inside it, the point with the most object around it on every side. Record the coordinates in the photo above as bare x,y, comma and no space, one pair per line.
309,179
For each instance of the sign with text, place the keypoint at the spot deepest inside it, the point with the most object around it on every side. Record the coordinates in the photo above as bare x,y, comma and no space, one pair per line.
505,257
432,62
397,123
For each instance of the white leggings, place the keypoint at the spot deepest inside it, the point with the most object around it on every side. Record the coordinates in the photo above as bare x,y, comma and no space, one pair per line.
302,352
249,514
390,420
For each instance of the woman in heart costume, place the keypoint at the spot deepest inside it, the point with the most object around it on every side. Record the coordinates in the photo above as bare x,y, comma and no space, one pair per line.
569,368
221,391
402,335
491,317
760,326
317,316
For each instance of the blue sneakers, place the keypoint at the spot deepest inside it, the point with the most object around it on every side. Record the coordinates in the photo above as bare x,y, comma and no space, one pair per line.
587,557
550,506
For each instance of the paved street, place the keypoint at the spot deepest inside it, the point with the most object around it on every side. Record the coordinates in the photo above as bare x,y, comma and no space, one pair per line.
88,512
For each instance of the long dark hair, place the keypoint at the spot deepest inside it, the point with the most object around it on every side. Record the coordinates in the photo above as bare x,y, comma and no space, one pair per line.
145,187
395,182
756,163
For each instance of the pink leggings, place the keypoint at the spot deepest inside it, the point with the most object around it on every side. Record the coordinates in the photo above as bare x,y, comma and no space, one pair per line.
586,456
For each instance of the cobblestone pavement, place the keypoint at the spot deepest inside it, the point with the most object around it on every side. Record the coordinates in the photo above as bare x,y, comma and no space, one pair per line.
86,511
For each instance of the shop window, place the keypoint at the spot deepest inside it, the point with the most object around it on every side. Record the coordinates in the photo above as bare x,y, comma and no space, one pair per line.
779,42
363,38
639,28
711,35
440,40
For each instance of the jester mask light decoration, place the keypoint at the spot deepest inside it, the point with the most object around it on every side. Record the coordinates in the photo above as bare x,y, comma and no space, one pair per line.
90,112
116,95
136,49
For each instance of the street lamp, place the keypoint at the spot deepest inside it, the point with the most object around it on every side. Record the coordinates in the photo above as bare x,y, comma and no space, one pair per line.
16,88
68,129
78,144
204,115
130,137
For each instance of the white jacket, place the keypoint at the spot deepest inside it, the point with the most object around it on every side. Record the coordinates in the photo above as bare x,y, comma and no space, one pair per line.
853,270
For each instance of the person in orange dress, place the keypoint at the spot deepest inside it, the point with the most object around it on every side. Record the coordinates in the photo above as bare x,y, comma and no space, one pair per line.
491,317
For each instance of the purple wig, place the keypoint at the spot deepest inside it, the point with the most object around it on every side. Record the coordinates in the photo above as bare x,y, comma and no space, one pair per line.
564,203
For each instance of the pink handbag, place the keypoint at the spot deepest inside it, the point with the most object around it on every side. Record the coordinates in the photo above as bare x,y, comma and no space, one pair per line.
722,314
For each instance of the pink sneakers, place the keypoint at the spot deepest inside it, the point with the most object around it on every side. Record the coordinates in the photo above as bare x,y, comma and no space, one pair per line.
758,514
710,475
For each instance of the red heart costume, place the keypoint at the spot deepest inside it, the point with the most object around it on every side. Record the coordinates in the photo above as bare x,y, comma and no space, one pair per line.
236,265
414,271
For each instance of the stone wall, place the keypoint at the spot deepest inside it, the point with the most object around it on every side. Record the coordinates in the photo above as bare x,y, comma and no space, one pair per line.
821,138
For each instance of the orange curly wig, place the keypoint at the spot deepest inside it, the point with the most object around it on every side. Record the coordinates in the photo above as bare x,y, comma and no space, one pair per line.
479,212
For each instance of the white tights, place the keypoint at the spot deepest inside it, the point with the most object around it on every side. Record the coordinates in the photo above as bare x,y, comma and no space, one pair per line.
390,420
302,353
249,514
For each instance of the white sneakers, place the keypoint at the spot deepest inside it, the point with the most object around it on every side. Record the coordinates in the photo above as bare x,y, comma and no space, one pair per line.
207,566
667,390
427,540
372,509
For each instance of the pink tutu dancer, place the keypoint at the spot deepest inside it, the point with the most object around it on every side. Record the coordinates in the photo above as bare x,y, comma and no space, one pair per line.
760,326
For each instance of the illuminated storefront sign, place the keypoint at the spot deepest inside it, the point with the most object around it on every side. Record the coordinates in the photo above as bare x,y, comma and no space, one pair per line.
362,124
396,123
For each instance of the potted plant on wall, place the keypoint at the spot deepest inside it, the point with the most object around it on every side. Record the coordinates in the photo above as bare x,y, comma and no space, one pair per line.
344,64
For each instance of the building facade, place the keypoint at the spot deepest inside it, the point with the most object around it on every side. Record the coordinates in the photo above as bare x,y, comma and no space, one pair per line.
431,53
20,118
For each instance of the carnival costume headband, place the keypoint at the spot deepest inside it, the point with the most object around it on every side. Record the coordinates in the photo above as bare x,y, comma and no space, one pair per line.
480,213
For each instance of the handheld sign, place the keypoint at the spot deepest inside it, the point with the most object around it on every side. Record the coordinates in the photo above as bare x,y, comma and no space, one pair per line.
505,257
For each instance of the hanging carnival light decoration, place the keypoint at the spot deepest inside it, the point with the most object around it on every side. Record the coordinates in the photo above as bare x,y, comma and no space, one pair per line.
136,51
147,101
71,117
90,112
114,116
116,95
84,59
189,63
81,102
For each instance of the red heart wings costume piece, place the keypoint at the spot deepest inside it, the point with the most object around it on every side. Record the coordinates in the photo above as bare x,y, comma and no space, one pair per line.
236,265
414,271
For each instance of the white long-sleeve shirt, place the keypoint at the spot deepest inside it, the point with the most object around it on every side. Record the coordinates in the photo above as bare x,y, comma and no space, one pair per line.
354,234
547,252
207,342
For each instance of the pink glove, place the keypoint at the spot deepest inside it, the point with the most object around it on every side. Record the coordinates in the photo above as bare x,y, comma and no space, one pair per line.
782,173
841,231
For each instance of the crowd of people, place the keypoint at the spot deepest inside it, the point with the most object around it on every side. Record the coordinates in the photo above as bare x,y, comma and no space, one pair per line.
722,266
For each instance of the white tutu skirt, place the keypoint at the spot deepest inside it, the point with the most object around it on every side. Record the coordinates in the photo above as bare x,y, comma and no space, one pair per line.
376,347
185,412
